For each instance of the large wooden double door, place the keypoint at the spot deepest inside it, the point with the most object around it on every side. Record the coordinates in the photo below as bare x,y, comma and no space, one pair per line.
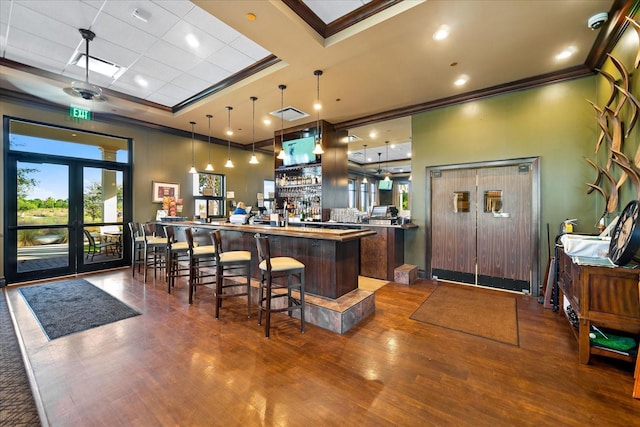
483,224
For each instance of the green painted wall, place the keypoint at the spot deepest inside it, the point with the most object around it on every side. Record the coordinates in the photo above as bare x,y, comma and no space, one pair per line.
552,122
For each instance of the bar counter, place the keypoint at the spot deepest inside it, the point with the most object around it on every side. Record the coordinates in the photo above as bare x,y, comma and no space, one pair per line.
331,257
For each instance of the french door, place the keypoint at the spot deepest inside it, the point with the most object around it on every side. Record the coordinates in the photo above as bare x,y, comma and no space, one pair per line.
63,215
483,225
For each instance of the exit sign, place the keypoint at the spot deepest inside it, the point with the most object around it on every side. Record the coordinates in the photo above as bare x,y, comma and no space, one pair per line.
79,113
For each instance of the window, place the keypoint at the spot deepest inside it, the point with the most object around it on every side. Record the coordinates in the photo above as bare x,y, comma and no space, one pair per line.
209,192
351,188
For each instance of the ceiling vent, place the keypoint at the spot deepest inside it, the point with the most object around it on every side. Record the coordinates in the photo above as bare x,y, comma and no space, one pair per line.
353,138
100,66
289,114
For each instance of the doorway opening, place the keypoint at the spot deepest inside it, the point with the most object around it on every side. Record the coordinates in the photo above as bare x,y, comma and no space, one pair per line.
68,199
483,224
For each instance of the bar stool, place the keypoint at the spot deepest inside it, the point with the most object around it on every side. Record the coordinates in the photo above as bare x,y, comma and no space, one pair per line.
177,256
202,263
137,247
154,249
278,267
228,265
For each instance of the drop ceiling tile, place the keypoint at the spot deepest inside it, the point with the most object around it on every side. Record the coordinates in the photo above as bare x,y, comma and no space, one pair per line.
190,83
133,89
5,7
160,20
172,56
79,16
22,18
329,11
230,59
131,76
34,60
249,48
163,99
173,92
211,25
122,33
148,67
210,72
177,37
31,44
178,7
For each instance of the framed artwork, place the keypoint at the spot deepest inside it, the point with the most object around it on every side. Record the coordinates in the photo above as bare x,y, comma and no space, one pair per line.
160,190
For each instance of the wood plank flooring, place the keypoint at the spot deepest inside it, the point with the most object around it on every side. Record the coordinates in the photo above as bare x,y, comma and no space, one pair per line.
176,365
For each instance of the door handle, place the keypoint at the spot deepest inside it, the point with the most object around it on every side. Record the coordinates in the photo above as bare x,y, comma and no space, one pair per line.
501,215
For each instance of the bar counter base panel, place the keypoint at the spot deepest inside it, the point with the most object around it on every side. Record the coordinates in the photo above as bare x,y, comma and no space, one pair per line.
337,315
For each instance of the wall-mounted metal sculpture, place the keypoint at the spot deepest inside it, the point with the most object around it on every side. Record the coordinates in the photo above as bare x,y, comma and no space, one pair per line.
613,134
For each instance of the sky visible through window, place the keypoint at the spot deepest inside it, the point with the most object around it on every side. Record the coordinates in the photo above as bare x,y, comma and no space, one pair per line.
53,179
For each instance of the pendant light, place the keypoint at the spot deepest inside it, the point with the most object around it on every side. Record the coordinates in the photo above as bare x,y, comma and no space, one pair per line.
193,168
209,165
365,181
281,154
229,163
254,159
318,148
386,178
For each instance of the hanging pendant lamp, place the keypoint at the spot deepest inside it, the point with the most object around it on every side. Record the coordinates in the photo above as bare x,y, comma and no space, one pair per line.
386,178
318,148
281,154
193,168
365,181
254,159
209,165
229,163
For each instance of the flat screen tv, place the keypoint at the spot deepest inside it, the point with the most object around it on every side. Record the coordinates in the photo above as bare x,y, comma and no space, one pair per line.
385,185
299,151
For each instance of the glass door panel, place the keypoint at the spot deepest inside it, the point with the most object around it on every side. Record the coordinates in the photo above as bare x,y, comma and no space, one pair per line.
102,215
42,217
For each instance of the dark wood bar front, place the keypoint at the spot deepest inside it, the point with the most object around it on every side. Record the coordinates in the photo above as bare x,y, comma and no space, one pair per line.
331,257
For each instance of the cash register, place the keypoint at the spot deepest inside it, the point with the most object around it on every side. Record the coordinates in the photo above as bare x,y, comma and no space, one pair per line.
383,215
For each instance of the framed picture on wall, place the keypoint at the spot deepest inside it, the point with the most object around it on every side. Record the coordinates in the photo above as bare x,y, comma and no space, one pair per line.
160,190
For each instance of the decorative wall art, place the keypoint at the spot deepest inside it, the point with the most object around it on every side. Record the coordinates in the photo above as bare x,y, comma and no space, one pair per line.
615,126
160,190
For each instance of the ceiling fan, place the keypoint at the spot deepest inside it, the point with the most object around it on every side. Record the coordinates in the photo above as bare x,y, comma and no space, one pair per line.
84,89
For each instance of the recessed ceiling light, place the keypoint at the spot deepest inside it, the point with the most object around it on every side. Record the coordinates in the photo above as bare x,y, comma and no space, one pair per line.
567,53
393,145
441,33
141,81
192,40
409,154
266,122
372,134
251,16
460,81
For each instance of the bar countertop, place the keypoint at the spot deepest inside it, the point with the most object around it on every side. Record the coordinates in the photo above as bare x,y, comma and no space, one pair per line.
342,235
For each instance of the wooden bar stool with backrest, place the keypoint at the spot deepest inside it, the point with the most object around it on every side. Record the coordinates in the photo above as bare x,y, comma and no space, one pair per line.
177,256
137,247
202,261
229,265
273,268
154,248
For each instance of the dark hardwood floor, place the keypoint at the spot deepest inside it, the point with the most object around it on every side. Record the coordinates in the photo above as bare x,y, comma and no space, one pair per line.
176,365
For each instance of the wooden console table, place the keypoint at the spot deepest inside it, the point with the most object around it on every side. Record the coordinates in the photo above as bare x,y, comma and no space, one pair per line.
602,296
